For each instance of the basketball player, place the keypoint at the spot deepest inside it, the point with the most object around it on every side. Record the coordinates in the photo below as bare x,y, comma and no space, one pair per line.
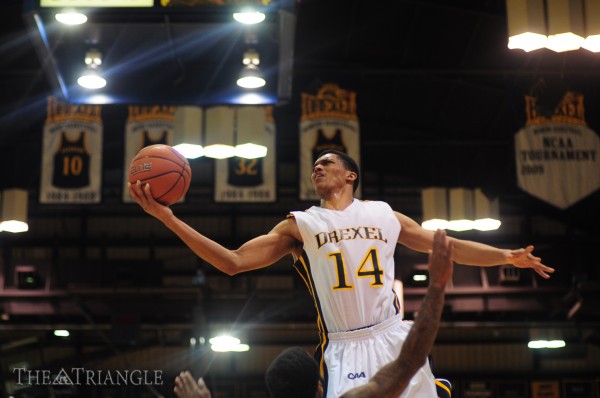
295,374
343,250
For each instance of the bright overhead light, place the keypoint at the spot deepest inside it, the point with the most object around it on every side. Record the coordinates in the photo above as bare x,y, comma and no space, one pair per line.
251,77
219,151
227,344
61,333
460,225
13,211
249,17
592,43
486,224
250,151
537,344
91,79
434,224
224,339
562,42
71,17
527,41
190,151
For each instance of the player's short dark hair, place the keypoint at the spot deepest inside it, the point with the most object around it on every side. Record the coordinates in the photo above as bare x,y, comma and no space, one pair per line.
348,162
293,374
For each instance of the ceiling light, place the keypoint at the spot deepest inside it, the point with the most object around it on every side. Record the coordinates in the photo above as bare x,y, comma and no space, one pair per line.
71,17
537,344
187,131
486,212
461,209
13,216
435,208
227,344
251,57
249,17
61,333
91,79
251,77
219,151
592,25
592,43
250,151
93,57
565,25
526,24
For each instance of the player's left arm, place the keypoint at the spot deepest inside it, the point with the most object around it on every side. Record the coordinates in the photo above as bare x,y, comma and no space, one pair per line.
466,252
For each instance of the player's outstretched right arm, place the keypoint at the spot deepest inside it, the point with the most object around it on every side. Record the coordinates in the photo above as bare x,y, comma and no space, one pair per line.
256,253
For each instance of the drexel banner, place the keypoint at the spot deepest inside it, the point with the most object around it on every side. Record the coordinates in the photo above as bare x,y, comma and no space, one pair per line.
557,155
146,125
329,121
72,154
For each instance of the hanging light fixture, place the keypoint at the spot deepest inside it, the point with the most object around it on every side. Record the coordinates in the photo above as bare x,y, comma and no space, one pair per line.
226,343
251,75
71,17
187,131
526,24
565,25
249,16
250,129
592,25
486,212
461,209
435,208
14,211
219,131
91,77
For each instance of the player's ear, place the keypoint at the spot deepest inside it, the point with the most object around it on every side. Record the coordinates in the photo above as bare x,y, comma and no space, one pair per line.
351,176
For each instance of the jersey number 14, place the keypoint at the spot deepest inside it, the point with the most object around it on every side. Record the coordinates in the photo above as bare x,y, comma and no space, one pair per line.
368,268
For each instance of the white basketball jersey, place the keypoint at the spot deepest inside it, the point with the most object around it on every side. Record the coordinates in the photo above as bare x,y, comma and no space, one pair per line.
348,264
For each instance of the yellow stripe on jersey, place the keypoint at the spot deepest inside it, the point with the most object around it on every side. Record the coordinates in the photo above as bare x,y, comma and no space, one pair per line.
441,385
303,269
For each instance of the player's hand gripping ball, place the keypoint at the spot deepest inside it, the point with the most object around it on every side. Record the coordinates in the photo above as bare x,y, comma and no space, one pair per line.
166,170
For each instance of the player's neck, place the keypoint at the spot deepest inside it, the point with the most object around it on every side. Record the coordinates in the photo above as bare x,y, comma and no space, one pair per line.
337,201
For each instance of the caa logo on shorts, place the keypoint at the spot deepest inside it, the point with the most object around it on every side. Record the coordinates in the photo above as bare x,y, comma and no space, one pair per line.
353,376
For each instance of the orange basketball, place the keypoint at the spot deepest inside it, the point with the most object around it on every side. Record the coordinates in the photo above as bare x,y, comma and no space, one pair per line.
166,170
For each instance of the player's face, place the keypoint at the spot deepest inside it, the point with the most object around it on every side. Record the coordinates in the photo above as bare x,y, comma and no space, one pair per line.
328,173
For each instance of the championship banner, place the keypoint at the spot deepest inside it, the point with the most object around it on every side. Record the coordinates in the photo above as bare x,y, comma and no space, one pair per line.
328,121
248,180
71,154
145,125
557,157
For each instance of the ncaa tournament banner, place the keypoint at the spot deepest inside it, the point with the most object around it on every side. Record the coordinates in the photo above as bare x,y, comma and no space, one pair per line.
557,156
145,125
328,121
71,154
249,180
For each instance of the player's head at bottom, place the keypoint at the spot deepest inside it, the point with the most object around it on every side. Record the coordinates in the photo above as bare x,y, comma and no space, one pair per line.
294,374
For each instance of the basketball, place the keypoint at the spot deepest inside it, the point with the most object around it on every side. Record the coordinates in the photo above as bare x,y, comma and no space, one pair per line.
166,170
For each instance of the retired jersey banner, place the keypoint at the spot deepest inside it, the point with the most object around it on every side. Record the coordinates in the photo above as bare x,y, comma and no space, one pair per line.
557,157
71,154
328,121
240,179
145,125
